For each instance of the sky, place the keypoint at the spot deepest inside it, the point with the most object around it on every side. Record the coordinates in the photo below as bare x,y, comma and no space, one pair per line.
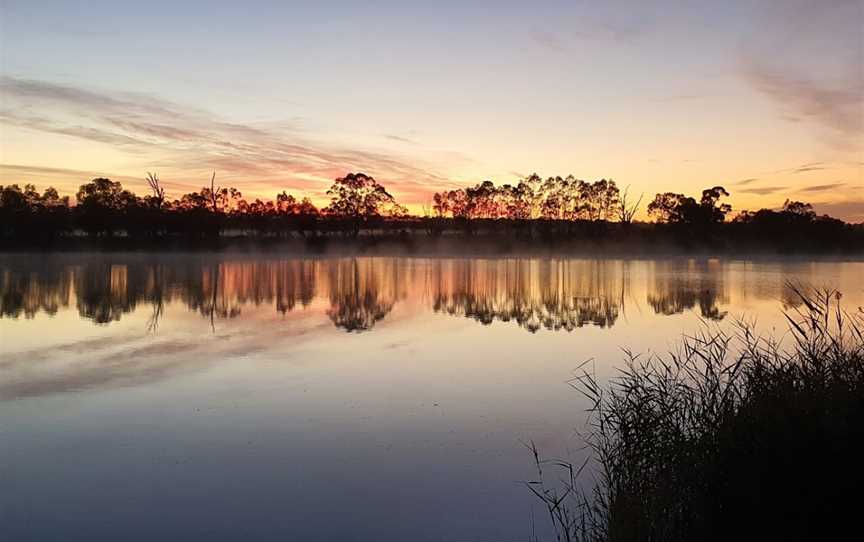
765,98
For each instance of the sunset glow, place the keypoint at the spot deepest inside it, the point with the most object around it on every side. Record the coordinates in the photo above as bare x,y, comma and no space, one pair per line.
762,98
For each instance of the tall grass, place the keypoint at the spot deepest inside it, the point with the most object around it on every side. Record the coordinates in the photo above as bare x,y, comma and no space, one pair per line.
731,436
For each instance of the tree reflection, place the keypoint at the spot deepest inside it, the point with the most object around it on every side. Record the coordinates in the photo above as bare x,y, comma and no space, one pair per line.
30,292
536,294
550,294
105,292
361,294
679,287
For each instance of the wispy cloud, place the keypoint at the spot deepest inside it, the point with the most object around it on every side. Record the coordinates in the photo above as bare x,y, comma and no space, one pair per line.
400,139
815,166
547,40
43,177
155,132
745,182
822,187
805,168
807,58
764,190
92,363
834,105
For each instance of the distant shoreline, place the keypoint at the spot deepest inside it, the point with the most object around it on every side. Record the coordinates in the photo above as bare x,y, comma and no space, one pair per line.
445,246
555,216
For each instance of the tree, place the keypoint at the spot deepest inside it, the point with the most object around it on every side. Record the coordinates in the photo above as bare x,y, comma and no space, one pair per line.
680,209
608,198
27,214
212,194
215,199
359,198
15,200
104,194
441,204
800,210
51,199
286,203
709,204
521,203
561,198
158,196
454,202
627,209
667,207
102,204
307,208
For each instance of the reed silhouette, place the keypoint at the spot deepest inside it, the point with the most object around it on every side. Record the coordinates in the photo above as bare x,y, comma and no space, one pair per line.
734,436
554,210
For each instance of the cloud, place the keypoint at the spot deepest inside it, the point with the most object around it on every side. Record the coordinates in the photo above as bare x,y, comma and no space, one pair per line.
834,105
807,58
815,166
13,169
129,359
590,23
804,168
190,141
822,187
763,190
43,177
547,40
400,139
745,182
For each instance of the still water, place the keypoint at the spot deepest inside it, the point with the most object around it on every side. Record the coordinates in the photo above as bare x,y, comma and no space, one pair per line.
238,397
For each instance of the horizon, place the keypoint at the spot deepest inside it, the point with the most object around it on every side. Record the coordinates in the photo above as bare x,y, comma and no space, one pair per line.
767,101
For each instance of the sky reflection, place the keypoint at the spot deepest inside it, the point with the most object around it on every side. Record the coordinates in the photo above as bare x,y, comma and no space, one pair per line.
224,397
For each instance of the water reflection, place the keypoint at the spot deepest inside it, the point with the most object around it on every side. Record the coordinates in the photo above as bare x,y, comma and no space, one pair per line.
28,292
279,373
675,289
550,294
547,294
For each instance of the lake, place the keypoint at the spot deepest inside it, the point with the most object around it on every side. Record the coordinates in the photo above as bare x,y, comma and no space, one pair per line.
261,397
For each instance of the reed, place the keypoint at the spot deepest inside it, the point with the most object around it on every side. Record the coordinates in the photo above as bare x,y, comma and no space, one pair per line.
733,435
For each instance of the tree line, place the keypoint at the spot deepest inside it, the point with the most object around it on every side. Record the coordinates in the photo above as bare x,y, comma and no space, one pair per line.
534,208
555,198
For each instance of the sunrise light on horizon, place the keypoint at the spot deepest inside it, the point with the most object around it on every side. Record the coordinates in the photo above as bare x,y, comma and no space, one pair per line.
763,98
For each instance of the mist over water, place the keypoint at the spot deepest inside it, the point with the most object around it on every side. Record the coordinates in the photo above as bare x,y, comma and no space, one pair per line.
226,397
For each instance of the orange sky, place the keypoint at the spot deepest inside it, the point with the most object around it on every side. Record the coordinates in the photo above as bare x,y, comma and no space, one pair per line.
765,100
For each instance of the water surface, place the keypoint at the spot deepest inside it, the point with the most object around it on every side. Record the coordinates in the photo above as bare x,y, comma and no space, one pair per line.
226,397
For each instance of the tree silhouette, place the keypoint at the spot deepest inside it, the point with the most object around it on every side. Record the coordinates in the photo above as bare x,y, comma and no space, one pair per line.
104,194
627,208
360,198
672,208
798,209
102,204
158,196
557,209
